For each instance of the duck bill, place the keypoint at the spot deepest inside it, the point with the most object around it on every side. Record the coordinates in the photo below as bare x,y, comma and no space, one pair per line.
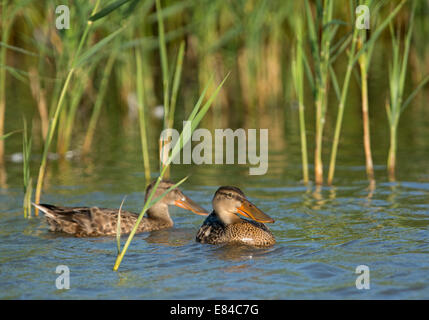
249,210
190,205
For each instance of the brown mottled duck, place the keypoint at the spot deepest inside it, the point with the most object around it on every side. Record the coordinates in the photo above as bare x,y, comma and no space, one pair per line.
224,225
94,221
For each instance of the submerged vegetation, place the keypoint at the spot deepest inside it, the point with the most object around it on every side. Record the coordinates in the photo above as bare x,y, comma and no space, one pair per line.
146,60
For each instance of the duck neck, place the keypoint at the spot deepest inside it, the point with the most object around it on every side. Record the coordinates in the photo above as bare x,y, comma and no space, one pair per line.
159,215
227,218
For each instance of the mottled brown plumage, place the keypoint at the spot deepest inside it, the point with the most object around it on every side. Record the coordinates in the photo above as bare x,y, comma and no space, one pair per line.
223,225
94,221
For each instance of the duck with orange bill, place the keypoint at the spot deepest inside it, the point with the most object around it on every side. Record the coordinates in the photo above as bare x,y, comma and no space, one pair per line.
224,224
94,221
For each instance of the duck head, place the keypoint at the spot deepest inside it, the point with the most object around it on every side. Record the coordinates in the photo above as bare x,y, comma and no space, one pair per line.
173,198
230,202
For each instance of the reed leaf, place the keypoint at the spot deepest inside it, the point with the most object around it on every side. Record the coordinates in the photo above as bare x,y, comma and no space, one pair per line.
18,49
107,10
335,83
18,74
174,9
421,84
118,226
397,76
96,48
7,135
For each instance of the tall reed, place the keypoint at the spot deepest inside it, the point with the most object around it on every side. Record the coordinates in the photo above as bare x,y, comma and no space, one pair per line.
6,25
397,76
169,98
165,79
353,59
320,36
364,63
176,84
54,120
141,109
298,77
164,63
28,182
341,106
363,66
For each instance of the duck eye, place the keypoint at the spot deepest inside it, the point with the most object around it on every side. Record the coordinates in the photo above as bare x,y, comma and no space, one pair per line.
229,195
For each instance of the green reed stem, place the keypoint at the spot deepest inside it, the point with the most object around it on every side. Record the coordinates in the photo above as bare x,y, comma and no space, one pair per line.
53,122
51,130
6,25
141,108
321,62
341,107
165,73
26,152
118,227
164,62
176,83
363,65
391,158
298,75
397,75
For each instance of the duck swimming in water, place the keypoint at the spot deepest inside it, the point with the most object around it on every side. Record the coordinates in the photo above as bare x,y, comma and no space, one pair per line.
224,225
94,221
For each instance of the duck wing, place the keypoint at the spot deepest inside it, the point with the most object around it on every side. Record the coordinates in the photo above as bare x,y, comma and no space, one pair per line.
212,230
85,221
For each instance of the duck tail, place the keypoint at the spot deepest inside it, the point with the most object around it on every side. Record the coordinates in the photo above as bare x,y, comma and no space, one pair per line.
45,209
